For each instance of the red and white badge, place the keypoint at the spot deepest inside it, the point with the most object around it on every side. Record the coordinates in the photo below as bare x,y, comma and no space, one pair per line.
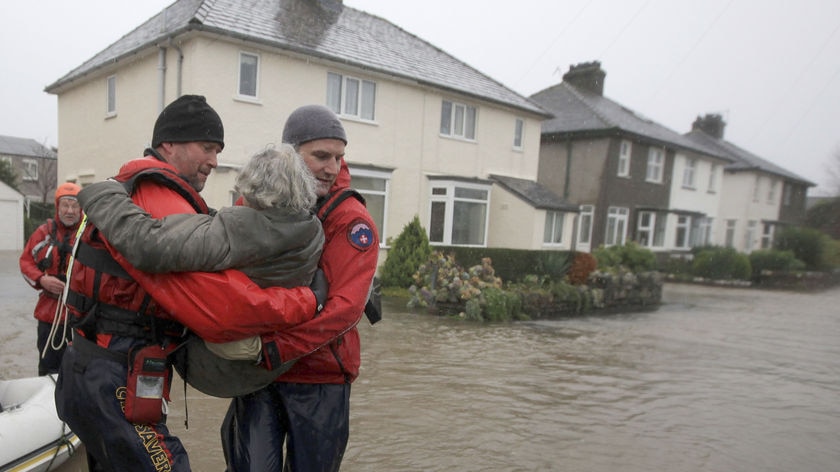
360,235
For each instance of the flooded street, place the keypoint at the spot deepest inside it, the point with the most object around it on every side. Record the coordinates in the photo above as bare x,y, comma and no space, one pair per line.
715,380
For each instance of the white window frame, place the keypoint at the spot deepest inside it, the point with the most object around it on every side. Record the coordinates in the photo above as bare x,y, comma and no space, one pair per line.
458,120
553,229
682,235
701,231
749,236
381,220
689,171
625,148
729,239
587,217
518,133
756,188
771,192
615,233
655,165
350,96
243,82
30,170
767,236
712,187
444,192
111,95
654,230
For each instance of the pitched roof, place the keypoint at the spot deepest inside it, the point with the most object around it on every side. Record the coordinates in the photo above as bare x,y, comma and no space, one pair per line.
12,146
322,28
578,111
534,194
742,159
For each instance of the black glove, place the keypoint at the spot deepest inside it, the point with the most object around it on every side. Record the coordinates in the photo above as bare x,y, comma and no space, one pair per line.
319,287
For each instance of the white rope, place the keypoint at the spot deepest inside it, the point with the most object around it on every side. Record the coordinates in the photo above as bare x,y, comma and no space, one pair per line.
61,307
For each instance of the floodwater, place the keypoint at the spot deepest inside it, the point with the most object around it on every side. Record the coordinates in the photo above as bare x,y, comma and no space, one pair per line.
717,379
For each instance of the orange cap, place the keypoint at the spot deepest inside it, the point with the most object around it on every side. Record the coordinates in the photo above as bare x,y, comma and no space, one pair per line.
67,189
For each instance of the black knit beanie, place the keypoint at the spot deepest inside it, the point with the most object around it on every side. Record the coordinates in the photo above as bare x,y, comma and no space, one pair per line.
311,122
187,119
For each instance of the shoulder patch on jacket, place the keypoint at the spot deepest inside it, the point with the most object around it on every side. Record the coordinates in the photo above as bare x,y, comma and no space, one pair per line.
359,235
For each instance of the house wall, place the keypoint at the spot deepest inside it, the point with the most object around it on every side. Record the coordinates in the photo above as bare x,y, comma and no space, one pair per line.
11,214
794,213
404,136
737,203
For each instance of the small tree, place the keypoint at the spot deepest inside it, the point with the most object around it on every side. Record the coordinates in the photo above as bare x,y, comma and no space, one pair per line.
8,175
809,245
409,251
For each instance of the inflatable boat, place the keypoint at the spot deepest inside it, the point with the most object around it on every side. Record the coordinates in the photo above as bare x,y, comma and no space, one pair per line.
32,438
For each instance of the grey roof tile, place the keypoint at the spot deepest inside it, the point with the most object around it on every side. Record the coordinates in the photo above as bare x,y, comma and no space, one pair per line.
313,27
12,146
579,111
534,194
742,159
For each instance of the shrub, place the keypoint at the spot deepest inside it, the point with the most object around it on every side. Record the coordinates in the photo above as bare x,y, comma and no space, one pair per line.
630,256
809,245
410,249
722,263
583,264
774,260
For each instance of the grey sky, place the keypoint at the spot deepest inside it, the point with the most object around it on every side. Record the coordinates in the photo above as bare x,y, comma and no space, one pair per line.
771,67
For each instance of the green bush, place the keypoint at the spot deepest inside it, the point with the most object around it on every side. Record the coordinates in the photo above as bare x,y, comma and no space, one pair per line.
723,263
630,256
410,249
809,245
514,264
774,260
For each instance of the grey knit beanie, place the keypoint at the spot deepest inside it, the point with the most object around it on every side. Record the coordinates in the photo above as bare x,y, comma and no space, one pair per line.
311,122
187,119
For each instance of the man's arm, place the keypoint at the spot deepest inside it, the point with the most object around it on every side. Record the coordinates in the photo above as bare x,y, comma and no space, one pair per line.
30,271
218,306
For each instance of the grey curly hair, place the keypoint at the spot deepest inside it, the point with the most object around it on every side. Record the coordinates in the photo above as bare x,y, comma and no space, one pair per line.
277,178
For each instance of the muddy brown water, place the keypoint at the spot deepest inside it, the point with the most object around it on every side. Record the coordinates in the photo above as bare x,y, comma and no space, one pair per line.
715,380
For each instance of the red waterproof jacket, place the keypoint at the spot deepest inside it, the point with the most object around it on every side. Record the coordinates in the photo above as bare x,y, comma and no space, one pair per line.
46,253
218,306
327,347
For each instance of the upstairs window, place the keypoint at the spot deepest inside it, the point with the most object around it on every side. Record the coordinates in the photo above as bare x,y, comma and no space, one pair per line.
624,158
351,96
457,120
786,194
756,189
771,192
249,66
30,170
111,95
688,173
656,159
712,188
518,129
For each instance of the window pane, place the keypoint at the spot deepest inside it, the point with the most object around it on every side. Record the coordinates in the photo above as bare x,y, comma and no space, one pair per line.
334,92
585,226
469,125
459,120
368,100
368,183
517,133
376,207
436,222
248,75
351,97
111,91
468,223
472,193
446,118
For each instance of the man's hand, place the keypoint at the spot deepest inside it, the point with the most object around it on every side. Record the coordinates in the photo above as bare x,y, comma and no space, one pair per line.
55,286
319,287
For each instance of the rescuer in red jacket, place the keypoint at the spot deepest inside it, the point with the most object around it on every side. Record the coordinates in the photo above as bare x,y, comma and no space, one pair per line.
114,379
43,264
308,407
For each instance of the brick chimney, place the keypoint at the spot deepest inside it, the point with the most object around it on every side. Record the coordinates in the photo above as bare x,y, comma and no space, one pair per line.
586,76
711,124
